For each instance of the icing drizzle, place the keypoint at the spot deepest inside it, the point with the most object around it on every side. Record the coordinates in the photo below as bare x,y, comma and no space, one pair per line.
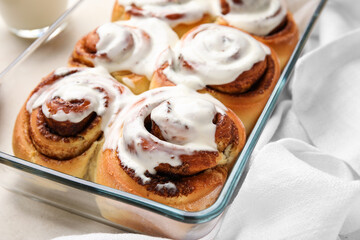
169,107
258,17
173,12
211,54
105,95
133,45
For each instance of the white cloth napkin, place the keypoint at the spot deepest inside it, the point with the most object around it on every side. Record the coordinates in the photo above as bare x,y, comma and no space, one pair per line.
304,184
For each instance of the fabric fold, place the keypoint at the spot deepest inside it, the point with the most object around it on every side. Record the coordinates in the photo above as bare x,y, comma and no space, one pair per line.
288,195
325,98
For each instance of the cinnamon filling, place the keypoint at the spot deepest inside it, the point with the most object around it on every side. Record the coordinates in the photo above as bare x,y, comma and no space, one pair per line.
226,135
245,80
67,128
48,132
57,104
135,11
84,51
261,84
261,81
90,42
174,16
87,47
225,7
183,185
55,146
280,28
226,132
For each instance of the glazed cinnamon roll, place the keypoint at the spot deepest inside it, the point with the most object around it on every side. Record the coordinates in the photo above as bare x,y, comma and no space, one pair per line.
172,145
127,49
268,20
181,15
61,124
229,64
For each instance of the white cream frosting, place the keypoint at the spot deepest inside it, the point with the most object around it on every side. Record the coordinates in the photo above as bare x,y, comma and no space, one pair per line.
217,55
186,121
133,45
258,17
188,11
84,84
170,107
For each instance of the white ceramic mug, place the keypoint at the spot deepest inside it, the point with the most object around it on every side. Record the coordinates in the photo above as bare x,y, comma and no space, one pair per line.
30,18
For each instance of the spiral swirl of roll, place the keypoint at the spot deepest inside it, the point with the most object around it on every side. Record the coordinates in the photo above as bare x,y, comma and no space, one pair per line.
170,143
127,49
259,17
268,21
125,46
217,56
225,62
65,117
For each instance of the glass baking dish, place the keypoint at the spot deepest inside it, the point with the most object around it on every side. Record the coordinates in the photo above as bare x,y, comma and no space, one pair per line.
134,213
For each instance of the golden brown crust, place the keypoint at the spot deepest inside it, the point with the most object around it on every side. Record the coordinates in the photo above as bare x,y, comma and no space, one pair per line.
284,41
229,133
135,82
24,148
202,189
199,178
37,141
81,56
245,81
119,13
248,105
59,147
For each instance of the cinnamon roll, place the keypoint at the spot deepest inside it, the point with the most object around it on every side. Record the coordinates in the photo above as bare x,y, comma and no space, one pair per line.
181,15
172,145
268,20
127,49
62,122
225,62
